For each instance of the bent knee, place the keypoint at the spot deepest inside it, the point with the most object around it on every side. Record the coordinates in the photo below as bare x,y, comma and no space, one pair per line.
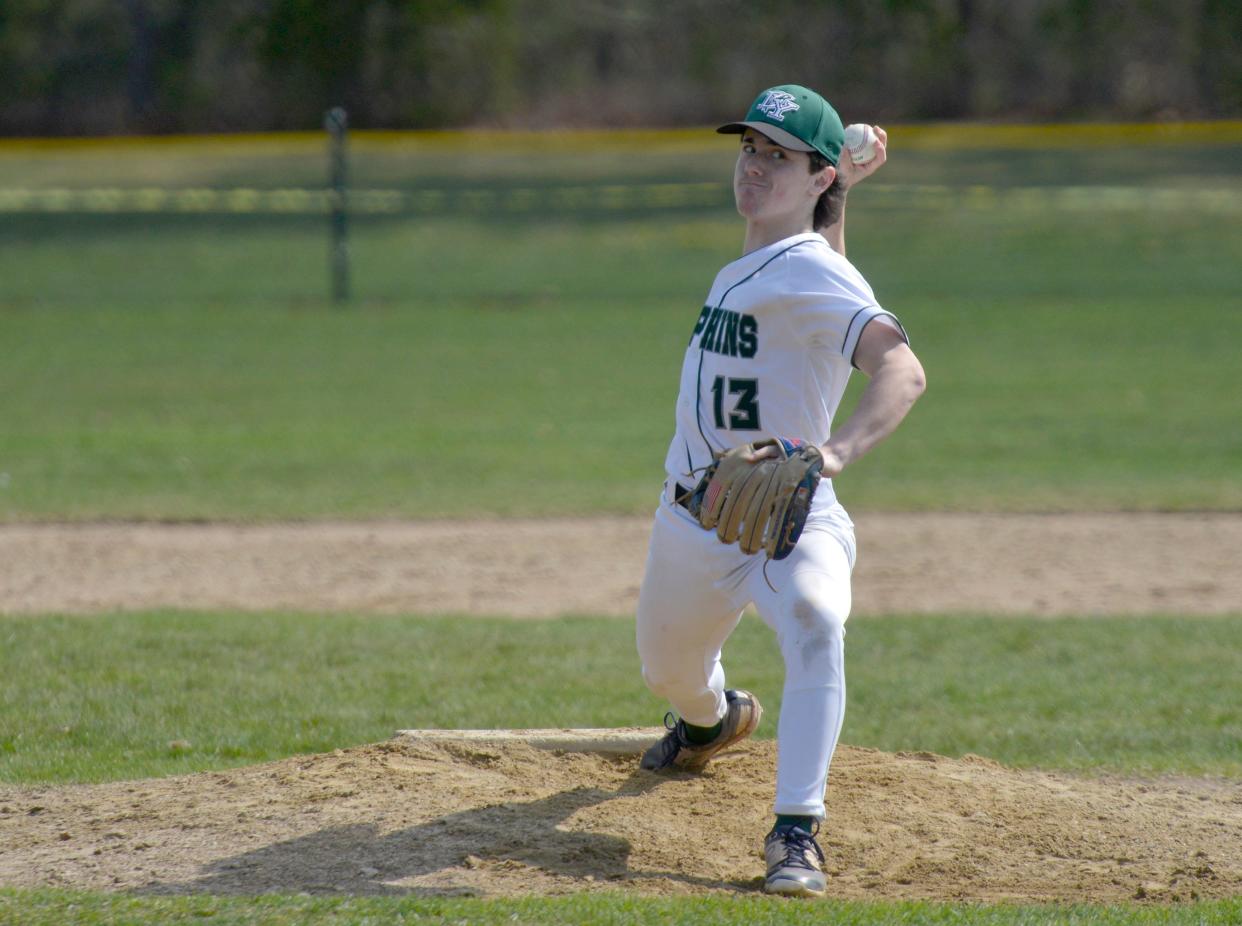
817,615
671,680
812,641
660,685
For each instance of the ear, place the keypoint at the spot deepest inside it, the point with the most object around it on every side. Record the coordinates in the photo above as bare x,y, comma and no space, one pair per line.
824,179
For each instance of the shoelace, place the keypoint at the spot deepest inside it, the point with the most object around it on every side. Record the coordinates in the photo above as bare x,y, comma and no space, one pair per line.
673,743
797,841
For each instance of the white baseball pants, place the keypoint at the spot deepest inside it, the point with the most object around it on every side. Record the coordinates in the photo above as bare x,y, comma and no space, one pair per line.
693,594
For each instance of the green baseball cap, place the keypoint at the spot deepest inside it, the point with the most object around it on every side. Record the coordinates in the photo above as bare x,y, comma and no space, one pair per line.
795,118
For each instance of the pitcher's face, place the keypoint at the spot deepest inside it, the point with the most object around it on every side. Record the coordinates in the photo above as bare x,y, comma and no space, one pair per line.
771,182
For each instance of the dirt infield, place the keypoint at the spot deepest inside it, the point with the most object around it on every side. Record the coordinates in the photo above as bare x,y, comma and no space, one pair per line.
493,819
508,819
996,564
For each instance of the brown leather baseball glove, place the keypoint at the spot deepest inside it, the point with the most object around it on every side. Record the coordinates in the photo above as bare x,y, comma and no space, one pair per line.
763,505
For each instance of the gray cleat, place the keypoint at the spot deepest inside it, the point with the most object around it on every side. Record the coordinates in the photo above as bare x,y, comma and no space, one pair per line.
741,717
795,863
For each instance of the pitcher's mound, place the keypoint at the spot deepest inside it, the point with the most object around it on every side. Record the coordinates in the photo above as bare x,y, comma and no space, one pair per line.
506,818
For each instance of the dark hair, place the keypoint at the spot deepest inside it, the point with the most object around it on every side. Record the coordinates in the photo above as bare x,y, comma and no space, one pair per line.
830,203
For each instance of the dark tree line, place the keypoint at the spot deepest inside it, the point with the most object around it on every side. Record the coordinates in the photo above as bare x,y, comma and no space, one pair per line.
73,67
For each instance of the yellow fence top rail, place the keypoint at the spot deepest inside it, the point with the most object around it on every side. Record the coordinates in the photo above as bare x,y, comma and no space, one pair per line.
925,136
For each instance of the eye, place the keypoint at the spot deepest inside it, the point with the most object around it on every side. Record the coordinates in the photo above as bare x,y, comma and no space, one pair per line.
748,148
778,154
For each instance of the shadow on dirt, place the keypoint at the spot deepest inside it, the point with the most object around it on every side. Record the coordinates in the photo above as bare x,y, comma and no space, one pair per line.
523,838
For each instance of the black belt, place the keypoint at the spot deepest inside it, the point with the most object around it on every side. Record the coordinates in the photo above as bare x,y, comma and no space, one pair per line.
681,495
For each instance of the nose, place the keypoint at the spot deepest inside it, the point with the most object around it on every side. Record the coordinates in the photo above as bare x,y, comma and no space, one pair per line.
752,166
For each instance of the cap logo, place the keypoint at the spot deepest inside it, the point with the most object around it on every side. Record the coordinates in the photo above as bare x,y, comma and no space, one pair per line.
776,103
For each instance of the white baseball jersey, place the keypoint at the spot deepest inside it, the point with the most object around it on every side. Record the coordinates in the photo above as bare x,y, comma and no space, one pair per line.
771,352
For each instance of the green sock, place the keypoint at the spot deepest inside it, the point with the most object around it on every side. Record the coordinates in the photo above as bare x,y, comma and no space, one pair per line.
701,735
785,819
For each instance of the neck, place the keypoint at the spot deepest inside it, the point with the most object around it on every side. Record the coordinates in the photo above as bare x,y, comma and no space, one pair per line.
759,234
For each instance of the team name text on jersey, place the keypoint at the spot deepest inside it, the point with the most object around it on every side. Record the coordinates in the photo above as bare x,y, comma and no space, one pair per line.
722,331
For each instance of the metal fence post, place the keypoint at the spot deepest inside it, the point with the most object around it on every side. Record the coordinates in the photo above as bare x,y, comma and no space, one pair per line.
335,121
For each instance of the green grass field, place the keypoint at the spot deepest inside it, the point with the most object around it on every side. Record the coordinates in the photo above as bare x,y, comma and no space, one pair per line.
179,366
64,908
183,366
101,697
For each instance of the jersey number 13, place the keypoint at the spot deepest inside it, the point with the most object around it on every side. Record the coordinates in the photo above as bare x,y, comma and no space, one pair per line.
744,416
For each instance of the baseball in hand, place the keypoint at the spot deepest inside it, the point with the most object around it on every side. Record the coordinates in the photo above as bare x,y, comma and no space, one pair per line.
860,142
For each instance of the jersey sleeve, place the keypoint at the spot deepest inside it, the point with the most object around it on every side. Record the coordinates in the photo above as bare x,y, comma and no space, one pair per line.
830,303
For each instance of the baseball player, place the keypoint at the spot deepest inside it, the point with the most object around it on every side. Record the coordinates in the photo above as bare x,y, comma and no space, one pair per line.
769,357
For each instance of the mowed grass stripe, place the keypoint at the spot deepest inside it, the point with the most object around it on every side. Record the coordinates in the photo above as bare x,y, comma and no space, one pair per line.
136,695
609,197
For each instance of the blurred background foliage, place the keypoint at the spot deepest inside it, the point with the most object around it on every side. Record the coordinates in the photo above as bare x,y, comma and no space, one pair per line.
84,67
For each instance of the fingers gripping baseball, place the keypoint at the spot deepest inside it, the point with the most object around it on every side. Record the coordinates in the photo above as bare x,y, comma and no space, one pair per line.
876,154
